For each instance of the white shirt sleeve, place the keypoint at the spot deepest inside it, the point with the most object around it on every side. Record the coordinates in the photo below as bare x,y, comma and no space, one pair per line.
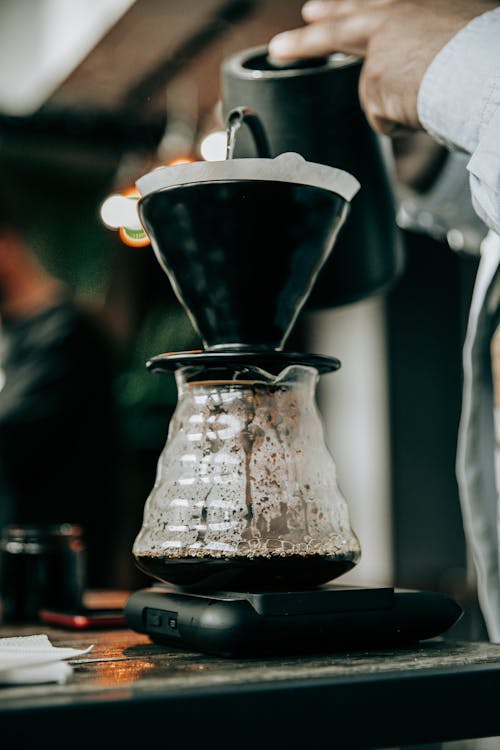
459,105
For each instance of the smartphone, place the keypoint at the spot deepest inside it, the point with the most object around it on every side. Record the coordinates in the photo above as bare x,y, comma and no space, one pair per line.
84,618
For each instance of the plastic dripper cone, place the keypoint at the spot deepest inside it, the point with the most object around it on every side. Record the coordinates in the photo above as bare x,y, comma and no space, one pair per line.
243,253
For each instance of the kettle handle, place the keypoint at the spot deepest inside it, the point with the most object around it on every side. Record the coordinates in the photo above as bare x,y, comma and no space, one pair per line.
235,120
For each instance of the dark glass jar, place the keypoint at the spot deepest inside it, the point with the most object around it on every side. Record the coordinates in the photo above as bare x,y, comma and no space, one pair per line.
41,566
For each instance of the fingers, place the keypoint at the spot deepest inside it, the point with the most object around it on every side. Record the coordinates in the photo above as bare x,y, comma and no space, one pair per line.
322,38
349,34
322,10
383,115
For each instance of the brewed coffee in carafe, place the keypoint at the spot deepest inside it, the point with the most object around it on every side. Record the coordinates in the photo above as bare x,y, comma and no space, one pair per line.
246,494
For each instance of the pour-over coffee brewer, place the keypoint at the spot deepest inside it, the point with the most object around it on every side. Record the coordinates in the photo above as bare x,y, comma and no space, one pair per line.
246,526
245,494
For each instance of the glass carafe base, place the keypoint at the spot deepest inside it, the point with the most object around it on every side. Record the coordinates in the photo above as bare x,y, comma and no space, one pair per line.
272,573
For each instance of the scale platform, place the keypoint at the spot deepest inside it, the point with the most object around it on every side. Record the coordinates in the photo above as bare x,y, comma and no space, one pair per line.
329,618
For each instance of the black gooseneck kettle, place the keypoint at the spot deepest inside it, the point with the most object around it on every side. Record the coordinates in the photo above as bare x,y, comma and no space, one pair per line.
312,107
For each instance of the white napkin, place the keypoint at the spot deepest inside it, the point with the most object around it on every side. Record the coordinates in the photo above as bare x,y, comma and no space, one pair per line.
32,659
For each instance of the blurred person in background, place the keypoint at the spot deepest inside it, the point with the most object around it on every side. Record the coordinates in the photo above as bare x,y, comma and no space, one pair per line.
58,437
434,66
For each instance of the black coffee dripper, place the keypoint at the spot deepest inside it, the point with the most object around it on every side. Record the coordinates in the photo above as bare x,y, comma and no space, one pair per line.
243,241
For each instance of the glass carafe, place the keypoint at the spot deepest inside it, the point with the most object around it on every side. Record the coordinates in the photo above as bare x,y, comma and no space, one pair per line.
246,494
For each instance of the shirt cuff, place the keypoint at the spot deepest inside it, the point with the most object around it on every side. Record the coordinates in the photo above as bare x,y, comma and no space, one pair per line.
461,88
444,211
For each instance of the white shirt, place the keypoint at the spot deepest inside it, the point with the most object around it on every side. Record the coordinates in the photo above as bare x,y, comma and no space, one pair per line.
459,105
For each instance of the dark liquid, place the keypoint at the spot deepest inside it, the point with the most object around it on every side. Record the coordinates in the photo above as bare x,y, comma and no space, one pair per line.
243,574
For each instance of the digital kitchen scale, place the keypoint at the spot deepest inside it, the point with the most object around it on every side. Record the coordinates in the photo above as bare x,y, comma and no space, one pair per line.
246,493
327,619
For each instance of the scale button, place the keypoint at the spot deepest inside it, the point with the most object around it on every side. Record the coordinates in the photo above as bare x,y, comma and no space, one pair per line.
153,618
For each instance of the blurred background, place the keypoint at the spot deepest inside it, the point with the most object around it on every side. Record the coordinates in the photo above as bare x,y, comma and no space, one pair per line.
93,94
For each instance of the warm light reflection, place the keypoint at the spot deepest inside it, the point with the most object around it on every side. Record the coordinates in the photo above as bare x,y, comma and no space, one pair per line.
126,672
180,160
119,212
133,237
115,212
131,192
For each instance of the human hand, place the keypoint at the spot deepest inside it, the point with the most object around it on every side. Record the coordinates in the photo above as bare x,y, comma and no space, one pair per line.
397,38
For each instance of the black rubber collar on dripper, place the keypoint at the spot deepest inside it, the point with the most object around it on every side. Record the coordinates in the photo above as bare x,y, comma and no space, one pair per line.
271,361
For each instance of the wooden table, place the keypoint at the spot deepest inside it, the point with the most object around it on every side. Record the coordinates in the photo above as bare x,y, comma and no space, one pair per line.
128,693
